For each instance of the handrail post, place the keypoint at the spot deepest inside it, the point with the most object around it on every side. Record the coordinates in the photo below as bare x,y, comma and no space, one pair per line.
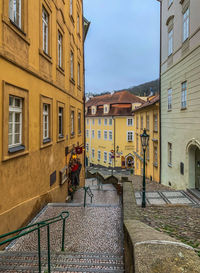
39,251
49,254
63,235
85,196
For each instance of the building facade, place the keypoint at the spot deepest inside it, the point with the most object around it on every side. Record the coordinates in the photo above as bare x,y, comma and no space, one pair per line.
147,117
110,136
180,93
41,99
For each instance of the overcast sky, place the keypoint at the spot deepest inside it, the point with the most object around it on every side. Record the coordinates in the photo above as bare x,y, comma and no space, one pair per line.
122,46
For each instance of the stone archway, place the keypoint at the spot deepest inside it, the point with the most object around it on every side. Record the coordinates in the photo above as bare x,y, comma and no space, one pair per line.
193,151
129,161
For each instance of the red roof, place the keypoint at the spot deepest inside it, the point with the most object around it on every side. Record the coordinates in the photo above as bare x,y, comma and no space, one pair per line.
152,100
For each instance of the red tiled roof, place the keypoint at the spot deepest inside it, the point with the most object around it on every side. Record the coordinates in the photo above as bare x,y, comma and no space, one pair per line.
152,100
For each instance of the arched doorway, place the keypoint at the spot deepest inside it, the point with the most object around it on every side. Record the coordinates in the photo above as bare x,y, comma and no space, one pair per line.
129,161
193,149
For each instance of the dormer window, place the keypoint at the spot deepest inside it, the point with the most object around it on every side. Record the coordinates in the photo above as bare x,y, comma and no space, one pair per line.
94,110
106,108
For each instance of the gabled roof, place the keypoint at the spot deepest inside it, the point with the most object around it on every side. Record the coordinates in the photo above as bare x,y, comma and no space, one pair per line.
152,100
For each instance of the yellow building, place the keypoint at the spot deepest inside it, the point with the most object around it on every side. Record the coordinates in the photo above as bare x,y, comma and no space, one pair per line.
147,117
110,133
41,99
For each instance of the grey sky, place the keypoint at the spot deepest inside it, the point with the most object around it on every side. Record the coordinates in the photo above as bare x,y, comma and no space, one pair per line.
122,46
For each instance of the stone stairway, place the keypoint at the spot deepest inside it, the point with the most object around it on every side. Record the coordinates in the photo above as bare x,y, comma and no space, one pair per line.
15,261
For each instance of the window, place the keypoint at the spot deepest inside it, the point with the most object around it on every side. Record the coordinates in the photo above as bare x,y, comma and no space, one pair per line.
105,121
130,136
93,110
87,121
130,122
71,7
183,95
72,65
45,30
169,154
79,75
78,24
148,152
186,24
60,40
92,133
170,99
87,147
156,123
99,155
110,121
147,122
137,144
60,122
87,133
110,158
141,121
137,122
92,153
15,122
155,155
15,10
72,123
45,121
79,123
92,121
110,135
99,121
105,135
106,109
99,134
170,42
105,156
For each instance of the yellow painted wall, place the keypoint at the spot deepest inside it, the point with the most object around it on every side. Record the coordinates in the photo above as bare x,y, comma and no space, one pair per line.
152,169
25,69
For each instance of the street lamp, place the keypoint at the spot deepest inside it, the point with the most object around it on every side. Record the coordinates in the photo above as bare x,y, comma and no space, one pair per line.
144,141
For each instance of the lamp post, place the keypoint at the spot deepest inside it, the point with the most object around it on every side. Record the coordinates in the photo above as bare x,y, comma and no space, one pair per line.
144,141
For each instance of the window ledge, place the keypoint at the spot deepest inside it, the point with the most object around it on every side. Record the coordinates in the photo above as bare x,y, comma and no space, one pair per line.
79,88
72,81
60,138
14,155
183,108
155,164
61,70
155,131
47,140
170,165
72,135
45,55
16,149
169,110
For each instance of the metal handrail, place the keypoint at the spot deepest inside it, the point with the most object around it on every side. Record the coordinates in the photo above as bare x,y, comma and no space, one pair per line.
37,226
89,192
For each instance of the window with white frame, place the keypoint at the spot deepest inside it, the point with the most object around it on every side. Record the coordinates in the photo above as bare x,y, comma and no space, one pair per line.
71,7
170,42
87,121
60,40
79,74
60,121
147,152
155,155
130,136
45,30
110,135
99,134
147,122
79,123
105,121
130,122
105,156
93,110
93,121
105,135
99,155
46,121
72,123
15,10
169,154
186,22
92,133
92,153
110,122
72,64
156,122
169,99
87,133
110,158
99,121
184,95
15,122
87,147
105,109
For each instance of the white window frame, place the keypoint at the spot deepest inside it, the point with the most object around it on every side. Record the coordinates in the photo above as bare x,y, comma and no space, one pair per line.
130,136
87,121
99,121
129,121
60,47
184,95
99,134
99,155
155,120
93,153
93,121
72,122
87,133
79,74
169,101
93,133
46,120
105,157
71,8
105,135
110,158
60,121
15,11
87,147
110,121
45,30
170,41
13,110
79,123
155,154
72,64
186,24
110,135
147,122
170,154
105,121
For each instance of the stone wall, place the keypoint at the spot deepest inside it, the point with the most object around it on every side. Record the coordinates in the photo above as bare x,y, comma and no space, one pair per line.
148,250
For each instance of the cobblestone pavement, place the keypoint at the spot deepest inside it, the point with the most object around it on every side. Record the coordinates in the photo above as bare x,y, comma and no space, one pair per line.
96,229
179,221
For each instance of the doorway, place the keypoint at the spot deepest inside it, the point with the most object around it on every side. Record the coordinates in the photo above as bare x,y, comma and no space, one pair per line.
129,161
